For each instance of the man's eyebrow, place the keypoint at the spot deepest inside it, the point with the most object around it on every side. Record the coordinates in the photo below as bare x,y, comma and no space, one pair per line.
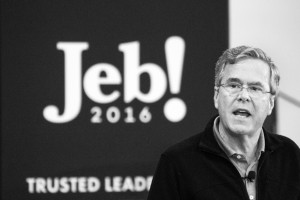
256,83
237,80
234,80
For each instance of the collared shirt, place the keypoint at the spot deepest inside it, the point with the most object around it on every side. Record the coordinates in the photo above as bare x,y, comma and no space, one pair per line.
239,160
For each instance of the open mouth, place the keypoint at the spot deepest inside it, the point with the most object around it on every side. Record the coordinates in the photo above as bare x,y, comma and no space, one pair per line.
242,113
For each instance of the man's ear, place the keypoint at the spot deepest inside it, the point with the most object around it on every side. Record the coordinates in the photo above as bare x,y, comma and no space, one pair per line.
216,97
271,104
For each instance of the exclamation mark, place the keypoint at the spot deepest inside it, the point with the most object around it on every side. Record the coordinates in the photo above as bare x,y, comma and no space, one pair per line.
175,108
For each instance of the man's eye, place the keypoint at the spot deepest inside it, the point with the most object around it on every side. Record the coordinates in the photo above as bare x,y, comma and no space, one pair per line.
255,89
234,85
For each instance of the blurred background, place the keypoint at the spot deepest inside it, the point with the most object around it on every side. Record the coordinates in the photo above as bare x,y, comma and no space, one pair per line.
273,26
93,91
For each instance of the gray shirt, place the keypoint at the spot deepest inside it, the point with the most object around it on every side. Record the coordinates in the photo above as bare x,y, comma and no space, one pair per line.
239,160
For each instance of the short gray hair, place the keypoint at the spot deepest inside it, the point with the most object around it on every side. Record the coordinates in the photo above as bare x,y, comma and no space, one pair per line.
234,55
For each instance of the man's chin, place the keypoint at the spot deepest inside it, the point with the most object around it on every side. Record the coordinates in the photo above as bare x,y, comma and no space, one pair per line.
240,129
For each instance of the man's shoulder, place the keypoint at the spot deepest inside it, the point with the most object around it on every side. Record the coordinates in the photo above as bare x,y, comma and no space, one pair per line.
278,141
191,145
184,149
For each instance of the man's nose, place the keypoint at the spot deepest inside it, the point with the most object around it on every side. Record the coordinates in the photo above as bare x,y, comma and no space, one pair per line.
244,94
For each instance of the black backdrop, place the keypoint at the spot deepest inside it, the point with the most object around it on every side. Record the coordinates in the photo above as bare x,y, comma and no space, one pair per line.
97,153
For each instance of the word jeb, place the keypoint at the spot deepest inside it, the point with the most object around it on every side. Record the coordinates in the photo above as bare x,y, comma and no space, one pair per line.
92,81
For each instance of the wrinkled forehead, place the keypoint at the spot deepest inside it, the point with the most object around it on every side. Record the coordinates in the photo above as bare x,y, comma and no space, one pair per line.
248,71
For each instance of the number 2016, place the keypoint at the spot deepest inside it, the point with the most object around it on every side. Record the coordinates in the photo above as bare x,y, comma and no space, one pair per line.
113,115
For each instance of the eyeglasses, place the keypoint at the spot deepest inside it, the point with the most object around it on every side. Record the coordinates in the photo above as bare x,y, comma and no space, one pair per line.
235,88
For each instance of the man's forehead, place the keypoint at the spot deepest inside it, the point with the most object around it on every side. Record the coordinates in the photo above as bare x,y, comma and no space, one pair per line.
250,71
248,66
249,62
238,80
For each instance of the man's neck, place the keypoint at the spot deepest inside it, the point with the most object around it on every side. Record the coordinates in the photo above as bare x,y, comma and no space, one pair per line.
244,144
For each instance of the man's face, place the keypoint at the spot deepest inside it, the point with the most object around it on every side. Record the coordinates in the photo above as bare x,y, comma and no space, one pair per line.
242,114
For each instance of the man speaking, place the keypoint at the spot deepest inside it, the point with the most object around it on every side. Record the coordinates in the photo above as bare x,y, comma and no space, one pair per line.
234,157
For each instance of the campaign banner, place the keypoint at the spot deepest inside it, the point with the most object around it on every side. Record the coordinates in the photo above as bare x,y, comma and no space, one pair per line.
93,91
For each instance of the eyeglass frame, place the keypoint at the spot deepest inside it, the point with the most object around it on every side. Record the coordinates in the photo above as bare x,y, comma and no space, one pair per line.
241,87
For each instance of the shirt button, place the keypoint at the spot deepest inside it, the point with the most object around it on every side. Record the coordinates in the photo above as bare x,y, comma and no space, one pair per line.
251,197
